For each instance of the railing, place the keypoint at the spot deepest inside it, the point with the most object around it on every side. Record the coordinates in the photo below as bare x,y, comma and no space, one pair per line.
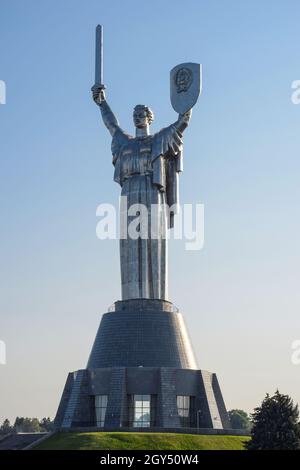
112,308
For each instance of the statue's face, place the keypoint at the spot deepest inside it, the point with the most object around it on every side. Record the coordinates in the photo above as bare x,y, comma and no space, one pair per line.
140,118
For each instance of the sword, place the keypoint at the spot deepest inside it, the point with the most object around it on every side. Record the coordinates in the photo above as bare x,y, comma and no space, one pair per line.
99,57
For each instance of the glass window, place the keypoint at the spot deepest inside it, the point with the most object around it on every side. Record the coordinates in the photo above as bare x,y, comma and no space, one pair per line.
100,407
183,409
140,411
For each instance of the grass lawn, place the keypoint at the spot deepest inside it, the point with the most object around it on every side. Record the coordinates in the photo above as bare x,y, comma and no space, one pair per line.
139,440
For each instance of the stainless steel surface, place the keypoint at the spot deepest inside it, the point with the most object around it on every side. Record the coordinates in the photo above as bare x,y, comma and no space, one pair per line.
185,86
99,55
147,168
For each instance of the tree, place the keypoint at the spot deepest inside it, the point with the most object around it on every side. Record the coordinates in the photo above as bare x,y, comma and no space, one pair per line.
27,425
6,427
46,425
239,419
275,424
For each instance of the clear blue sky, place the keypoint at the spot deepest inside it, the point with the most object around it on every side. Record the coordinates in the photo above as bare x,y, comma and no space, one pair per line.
240,294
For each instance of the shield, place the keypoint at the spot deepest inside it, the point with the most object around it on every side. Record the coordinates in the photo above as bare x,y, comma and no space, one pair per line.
185,86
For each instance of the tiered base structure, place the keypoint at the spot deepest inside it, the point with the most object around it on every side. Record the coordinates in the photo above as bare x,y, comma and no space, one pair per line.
142,375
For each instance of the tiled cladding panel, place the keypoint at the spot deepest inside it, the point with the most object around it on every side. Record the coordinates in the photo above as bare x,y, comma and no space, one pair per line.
142,333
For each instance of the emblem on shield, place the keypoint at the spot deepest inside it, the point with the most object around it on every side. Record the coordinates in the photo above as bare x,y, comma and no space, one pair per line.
185,86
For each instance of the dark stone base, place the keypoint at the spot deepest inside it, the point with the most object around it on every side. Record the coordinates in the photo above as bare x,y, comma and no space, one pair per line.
142,348
77,406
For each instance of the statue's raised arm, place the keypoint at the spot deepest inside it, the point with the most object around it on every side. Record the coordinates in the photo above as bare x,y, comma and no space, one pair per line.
109,119
183,121
169,141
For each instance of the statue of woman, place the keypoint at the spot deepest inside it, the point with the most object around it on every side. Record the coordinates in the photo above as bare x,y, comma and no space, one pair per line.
147,168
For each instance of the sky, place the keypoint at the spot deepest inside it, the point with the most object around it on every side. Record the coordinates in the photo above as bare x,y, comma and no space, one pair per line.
240,294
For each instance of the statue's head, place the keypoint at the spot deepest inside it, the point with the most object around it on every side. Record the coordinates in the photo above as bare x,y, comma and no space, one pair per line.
142,116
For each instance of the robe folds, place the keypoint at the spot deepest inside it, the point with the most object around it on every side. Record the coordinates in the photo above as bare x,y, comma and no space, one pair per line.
147,169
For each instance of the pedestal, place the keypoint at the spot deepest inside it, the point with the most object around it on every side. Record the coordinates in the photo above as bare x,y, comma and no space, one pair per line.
142,374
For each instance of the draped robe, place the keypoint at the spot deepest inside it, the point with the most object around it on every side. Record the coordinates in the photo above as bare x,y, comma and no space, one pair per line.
147,170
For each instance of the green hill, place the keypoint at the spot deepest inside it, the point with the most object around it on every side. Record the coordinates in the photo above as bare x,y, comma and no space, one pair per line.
141,441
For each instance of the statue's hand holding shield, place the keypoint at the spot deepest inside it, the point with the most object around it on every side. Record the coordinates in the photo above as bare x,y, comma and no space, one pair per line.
185,86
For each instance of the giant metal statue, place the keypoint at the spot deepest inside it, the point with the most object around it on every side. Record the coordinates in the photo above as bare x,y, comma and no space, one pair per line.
142,372
147,168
